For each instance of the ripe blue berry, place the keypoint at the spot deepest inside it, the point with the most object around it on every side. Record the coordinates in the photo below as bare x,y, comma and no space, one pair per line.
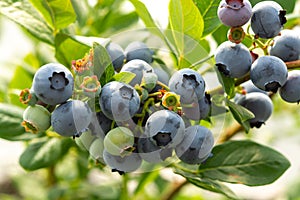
165,128
138,50
162,75
233,60
268,73
286,46
119,101
138,67
196,146
129,163
53,83
259,104
100,124
290,91
267,19
199,110
116,54
71,118
249,87
234,13
189,84
152,153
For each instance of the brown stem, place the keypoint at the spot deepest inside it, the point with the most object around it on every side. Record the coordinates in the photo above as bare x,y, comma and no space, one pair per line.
176,188
293,64
229,132
51,178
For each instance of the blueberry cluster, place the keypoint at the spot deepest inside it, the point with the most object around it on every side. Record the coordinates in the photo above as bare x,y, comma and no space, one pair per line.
153,117
268,73
123,123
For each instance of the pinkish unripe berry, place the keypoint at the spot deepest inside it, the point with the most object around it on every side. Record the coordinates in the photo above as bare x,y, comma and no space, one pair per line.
234,13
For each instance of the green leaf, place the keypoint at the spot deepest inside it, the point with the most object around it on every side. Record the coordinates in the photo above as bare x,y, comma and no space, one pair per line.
220,35
209,10
144,14
44,153
24,14
11,129
124,77
206,184
102,64
227,83
117,21
57,13
67,48
185,19
15,85
240,114
11,118
213,186
244,162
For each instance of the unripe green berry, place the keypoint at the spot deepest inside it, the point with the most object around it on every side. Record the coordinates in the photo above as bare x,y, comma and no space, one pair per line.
119,141
149,80
36,119
96,149
85,140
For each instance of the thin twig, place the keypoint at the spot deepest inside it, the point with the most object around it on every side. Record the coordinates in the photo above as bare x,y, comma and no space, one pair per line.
175,190
229,132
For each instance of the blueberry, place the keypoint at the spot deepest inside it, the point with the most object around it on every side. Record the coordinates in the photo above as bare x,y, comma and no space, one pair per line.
129,163
199,110
100,124
149,80
119,141
189,84
116,54
138,50
96,149
119,101
196,146
165,128
267,19
162,75
85,140
53,83
233,60
286,46
71,118
138,67
234,13
36,119
249,87
259,104
290,91
268,73
152,153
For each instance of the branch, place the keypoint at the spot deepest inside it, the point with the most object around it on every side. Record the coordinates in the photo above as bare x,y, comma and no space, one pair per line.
176,188
229,132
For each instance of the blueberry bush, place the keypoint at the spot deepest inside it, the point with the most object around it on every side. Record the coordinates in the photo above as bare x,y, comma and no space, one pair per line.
109,92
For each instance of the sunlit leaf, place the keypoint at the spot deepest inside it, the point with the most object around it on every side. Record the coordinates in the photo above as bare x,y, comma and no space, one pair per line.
24,14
